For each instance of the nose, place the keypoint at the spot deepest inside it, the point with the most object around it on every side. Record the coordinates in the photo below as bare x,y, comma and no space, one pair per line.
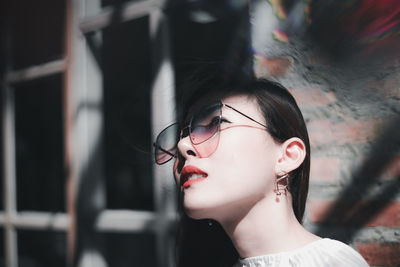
185,148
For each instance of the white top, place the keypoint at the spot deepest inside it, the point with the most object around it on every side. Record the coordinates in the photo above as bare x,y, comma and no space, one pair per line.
321,253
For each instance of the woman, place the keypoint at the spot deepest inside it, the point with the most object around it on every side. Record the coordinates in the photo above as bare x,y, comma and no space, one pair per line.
242,161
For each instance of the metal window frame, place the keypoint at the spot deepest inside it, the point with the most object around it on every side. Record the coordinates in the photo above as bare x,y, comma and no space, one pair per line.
84,18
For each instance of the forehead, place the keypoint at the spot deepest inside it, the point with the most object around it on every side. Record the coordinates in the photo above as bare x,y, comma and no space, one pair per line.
243,102
240,100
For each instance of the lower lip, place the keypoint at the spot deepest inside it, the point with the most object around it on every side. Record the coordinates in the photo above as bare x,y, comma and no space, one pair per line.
190,182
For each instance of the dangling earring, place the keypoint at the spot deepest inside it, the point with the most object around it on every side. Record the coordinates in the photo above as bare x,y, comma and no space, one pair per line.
281,185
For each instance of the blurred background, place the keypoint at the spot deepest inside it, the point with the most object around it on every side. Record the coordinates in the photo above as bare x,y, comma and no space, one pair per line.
86,85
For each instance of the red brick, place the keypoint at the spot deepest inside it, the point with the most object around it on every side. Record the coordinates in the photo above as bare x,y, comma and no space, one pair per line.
376,254
324,132
271,67
324,169
389,216
392,171
393,92
390,87
312,97
355,213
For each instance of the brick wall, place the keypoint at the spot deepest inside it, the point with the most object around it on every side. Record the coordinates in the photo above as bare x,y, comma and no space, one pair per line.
352,111
355,172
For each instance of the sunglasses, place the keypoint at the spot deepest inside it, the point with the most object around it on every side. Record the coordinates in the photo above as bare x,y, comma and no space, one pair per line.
203,130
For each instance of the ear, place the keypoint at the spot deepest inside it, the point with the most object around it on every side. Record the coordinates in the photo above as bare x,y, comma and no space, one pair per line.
292,154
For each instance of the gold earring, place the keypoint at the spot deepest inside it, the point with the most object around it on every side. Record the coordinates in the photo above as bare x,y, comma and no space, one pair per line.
281,185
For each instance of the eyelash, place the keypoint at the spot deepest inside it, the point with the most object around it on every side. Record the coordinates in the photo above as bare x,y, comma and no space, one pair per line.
224,120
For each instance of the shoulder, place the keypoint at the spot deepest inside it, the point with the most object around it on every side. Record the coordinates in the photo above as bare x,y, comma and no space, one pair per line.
330,252
321,253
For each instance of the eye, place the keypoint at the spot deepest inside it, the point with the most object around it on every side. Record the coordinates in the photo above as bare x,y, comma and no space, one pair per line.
224,120
214,122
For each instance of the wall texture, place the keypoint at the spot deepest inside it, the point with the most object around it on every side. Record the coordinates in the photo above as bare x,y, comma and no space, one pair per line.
352,109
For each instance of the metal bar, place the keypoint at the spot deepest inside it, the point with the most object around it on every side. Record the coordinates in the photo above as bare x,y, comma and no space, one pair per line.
9,175
9,169
126,221
129,11
36,220
70,179
107,221
11,248
85,90
163,113
35,72
163,106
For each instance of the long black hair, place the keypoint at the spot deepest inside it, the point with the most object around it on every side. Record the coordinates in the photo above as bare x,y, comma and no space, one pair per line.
198,243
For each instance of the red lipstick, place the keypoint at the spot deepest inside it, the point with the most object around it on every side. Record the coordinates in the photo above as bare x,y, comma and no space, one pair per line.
190,175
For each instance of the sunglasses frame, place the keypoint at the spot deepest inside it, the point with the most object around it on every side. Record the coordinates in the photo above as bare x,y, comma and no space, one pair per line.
189,131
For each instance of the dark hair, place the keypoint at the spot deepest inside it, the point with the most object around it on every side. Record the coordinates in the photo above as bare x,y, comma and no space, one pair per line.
283,120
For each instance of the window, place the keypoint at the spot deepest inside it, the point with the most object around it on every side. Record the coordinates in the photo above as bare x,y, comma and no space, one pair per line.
87,86
127,127
41,248
130,249
33,39
39,145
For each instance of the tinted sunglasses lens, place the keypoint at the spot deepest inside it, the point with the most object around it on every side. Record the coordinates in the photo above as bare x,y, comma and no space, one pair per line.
205,124
165,145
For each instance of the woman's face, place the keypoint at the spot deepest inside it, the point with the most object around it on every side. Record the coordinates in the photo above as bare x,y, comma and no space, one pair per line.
238,174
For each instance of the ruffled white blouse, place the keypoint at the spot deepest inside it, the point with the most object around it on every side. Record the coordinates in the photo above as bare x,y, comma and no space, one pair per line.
321,253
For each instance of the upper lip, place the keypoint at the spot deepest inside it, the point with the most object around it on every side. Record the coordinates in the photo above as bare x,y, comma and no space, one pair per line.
189,170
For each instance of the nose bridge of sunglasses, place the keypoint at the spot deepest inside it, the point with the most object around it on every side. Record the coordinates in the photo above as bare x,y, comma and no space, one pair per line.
185,131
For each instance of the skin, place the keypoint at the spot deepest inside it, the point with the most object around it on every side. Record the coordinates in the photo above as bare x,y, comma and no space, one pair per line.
239,189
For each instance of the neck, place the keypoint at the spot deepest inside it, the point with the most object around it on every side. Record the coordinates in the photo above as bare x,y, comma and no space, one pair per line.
268,227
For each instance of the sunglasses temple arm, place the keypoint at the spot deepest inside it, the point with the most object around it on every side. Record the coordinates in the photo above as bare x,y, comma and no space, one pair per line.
245,115
165,151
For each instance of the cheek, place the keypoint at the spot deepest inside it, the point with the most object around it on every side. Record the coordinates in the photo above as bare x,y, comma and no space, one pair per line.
247,156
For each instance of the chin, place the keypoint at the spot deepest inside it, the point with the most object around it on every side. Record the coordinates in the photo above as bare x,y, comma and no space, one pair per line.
200,211
196,214
196,211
